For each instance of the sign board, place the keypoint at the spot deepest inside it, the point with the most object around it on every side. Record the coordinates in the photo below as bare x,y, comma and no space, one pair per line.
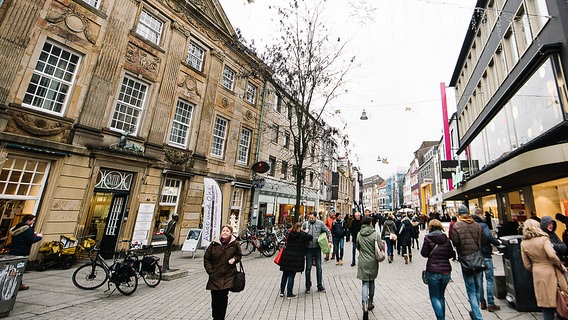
212,200
143,224
192,240
428,180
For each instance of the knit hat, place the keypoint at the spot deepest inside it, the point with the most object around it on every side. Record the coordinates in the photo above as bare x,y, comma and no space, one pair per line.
463,209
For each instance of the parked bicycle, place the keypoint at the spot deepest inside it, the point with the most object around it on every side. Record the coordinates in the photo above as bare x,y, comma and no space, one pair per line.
266,246
97,272
147,267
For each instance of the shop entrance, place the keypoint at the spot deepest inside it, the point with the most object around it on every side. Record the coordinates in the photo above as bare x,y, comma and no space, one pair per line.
106,215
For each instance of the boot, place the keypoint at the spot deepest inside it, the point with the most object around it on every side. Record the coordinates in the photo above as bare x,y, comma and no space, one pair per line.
391,258
410,257
365,311
405,259
370,305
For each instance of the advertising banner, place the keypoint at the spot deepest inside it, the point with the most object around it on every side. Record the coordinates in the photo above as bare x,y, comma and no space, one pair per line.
212,200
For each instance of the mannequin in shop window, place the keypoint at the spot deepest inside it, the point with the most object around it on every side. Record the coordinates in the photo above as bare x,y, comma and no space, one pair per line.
169,233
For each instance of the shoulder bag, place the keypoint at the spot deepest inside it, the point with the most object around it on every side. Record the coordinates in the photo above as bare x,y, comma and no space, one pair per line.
473,262
562,303
379,254
424,277
392,235
239,279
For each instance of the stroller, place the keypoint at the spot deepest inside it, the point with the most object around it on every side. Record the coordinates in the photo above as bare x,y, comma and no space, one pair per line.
62,253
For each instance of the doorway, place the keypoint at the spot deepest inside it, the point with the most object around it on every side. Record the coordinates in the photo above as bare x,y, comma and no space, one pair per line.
106,215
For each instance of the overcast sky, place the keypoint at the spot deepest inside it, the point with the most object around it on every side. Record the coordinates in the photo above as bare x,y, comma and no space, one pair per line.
404,49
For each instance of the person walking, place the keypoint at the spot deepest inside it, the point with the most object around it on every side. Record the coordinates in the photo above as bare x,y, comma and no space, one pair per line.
355,228
338,233
220,261
437,247
23,236
548,225
293,258
314,227
547,270
389,234
368,267
487,251
405,238
467,236
329,224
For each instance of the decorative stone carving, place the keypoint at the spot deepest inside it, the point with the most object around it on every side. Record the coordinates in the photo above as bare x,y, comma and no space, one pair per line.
200,4
37,126
74,21
189,84
248,115
180,28
225,102
218,54
177,156
142,58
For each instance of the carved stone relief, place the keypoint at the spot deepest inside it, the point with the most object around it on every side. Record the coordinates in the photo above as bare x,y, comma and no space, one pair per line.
188,84
177,156
37,126
142,59
74,21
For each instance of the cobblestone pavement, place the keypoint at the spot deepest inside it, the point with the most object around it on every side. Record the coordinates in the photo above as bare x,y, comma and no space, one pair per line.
400,294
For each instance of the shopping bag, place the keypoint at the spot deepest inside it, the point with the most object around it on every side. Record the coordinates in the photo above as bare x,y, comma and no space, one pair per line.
323,243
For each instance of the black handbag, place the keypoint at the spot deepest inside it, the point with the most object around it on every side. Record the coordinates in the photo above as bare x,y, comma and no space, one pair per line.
472,263
239,279
424,272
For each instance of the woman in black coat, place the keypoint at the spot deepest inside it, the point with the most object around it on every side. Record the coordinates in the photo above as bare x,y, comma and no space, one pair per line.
405,238
293,258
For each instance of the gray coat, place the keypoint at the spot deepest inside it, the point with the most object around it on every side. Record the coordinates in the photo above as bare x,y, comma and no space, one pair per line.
315,229
367,266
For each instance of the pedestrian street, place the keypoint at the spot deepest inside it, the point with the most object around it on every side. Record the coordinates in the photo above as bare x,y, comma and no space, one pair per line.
400,294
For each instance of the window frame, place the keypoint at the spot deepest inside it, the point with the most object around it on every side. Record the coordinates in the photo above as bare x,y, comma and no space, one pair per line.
140,108
200,60
226,80
180,123
221,140
147,25
96,5
52,78
251,93
244,149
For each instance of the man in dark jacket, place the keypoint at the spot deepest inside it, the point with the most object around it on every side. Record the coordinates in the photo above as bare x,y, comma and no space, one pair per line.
23,236
355,228
338,233
486,251
548,225
467,236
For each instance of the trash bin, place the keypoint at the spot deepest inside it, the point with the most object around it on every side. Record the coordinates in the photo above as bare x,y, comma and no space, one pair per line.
11,270
520,288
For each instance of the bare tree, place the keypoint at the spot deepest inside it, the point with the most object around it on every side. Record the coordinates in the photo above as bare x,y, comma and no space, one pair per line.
309,66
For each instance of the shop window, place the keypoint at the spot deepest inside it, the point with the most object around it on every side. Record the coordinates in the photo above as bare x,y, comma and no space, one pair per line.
168,205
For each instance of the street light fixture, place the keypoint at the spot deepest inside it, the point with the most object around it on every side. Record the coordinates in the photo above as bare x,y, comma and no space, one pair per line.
364,116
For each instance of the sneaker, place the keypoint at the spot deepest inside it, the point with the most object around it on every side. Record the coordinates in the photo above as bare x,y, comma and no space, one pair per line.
321,290
483,305
308,291
493,308
340,262
336,263
281,295
291,297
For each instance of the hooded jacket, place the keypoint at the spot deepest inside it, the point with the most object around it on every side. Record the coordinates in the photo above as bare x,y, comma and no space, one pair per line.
216,262
486,250
389,227
467,235
438,260
405,232
368,266
558,245
23,236
294,252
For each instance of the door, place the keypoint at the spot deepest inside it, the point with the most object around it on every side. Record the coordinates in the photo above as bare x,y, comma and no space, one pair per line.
113,223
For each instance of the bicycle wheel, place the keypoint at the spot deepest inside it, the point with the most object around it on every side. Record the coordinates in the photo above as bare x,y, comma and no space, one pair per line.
246,247
152,278
128,285
90,276
270,250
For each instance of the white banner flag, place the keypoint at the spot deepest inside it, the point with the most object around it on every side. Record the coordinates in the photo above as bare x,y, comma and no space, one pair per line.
212,200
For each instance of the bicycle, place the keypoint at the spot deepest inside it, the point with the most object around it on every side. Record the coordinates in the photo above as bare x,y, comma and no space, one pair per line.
148,267
97,272
266,246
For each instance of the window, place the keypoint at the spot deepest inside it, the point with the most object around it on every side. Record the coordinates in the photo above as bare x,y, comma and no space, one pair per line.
277,103
289,112
244,146
23,178
286,140
170,192
128,110
93,3
149,27
195,56
219,137
284,170
180,123
228,80
237,198
272,162
52,80
275,133
294,173
251,93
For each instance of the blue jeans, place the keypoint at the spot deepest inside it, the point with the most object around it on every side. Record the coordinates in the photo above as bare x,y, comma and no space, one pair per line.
311,255
338,245
473,287
368,291
389,246
437,283
490,283
287,277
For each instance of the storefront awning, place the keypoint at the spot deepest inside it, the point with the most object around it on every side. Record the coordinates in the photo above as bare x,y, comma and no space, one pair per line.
283,189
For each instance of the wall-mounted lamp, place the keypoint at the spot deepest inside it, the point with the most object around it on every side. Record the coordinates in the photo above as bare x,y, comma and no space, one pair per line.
364,116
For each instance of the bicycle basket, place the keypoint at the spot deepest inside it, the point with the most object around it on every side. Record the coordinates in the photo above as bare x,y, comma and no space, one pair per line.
148,263
122,271
50,247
